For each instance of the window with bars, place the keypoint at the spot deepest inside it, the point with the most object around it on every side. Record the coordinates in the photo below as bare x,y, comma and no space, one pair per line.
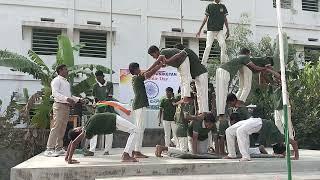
214,52
44,41
285,4
311,53
310,5
95,44
170,42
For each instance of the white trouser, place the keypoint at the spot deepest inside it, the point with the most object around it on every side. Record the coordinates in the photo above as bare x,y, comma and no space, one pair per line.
126,126
222,84
245,81
185,78
242,130
279,122
202,92
107,143
139,117
183,141
219,35
169,126
202,145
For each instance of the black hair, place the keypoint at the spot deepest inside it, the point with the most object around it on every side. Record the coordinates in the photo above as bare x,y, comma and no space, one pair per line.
231,97
279,148
72,134
132,67
169,89
209,117
235,117
244,51
153,49
179,46
99,73
60,67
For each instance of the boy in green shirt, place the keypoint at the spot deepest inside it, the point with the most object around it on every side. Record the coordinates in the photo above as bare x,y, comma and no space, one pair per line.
102,91
140,102
268,135
166,114
216,16
100,124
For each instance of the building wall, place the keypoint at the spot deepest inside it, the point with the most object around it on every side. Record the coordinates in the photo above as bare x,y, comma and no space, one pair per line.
138,24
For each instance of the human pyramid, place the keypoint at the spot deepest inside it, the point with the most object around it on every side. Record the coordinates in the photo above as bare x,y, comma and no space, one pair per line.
196,129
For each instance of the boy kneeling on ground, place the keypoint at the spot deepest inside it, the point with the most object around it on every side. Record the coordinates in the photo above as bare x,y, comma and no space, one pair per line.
100,124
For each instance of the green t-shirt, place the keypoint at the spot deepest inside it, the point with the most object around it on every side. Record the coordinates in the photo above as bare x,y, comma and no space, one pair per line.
140,95
182,125
234,65
101,123
196,68
197,126
216,13
170,52
269,133
261,61
168,108
243,112
99,93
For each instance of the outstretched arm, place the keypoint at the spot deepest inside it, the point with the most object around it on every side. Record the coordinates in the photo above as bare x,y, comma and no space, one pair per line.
205,19
255,68
181,56
157,62
193,117
71,148
274,73
148,74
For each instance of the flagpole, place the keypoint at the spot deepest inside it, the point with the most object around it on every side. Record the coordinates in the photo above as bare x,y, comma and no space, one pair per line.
181,35
284,88
111,40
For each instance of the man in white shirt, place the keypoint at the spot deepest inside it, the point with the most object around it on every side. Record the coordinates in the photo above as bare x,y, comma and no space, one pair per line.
61,107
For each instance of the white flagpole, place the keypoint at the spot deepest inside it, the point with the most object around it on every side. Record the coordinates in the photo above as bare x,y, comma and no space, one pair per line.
111,40
284,87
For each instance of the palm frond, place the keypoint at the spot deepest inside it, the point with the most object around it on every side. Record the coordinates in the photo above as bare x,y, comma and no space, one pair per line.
20,63
36,59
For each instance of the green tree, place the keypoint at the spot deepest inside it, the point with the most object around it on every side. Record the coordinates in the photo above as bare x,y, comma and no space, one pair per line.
35,66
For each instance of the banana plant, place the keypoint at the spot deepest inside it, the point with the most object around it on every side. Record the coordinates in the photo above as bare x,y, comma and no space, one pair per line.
35,66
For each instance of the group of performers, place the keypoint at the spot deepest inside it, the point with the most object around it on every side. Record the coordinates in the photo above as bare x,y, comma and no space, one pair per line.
196,129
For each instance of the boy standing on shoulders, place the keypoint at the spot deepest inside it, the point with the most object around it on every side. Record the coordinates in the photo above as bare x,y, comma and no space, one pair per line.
140,102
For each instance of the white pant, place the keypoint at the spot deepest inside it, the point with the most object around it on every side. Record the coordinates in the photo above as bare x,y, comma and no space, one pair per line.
139,117
185,78
202,92
167,127
279,122
107,143
126,126
219,35
183,141
202,145
245,81
222,84
242,130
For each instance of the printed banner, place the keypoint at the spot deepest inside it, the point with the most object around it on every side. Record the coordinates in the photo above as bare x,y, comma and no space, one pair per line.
155,86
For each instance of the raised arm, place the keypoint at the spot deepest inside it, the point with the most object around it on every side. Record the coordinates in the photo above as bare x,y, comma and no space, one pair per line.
148,74
205,19
157,62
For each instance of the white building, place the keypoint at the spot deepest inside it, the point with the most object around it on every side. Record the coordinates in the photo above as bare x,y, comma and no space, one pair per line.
137,25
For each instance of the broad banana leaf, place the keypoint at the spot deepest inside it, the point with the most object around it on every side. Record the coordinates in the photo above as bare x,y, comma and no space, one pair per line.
20,63
87,69
41,119
84,85
65,51
36,59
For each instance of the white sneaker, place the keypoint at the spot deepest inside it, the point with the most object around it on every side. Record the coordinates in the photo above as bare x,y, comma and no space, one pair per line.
50,153
62,152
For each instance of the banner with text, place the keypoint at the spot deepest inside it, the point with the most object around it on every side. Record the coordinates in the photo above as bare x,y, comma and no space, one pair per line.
155,86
